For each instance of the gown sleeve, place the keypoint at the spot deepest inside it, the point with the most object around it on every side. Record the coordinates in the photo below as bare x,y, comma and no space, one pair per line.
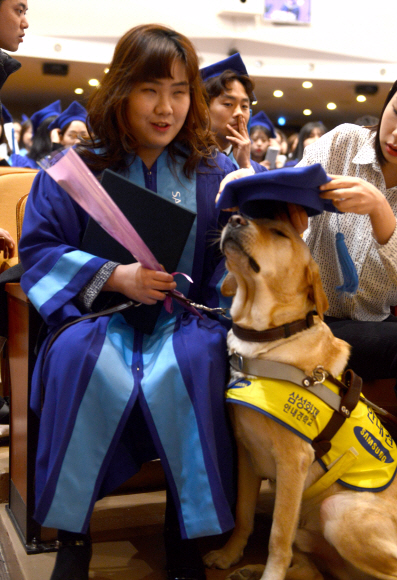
55,269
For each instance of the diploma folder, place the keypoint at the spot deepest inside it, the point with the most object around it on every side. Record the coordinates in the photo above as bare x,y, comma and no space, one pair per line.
163,225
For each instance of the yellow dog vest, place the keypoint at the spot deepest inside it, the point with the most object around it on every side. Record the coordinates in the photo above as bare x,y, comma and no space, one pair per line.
305,414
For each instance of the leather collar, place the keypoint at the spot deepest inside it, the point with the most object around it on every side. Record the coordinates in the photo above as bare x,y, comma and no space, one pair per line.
284,331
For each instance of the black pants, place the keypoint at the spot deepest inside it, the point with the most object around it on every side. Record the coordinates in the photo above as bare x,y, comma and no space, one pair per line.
374,345
11,275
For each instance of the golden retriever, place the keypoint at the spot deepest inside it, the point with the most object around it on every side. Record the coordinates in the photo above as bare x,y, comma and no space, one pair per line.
341,533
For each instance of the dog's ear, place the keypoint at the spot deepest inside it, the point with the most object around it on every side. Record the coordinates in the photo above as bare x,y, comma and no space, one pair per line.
229,285
316,292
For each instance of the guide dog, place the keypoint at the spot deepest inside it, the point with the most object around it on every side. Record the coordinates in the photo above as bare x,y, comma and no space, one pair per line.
316,528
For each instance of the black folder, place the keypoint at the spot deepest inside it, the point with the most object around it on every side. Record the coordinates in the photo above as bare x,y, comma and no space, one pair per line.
162,224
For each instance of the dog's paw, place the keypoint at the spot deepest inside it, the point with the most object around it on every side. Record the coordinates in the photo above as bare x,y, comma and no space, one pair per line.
253,572
221,559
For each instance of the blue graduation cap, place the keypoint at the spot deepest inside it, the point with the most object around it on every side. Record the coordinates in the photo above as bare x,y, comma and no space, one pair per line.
49,111
234,63
255,196
25,118
298,185
262,120
6,114
75,112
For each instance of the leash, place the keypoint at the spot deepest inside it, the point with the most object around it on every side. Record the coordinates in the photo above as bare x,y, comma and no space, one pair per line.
125,306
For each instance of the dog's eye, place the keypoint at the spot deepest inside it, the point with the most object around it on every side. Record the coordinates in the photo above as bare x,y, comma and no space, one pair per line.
278,233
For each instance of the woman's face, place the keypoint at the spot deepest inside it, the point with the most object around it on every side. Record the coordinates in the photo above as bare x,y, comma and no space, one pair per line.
157,110
388,132
73,133
17,131
315,134
27,138
259,144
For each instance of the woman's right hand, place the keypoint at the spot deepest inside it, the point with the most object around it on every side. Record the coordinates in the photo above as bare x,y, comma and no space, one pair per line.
139,283
9,249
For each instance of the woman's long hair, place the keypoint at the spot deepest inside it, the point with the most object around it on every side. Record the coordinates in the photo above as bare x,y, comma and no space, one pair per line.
145,53
304,134
41,142
378,149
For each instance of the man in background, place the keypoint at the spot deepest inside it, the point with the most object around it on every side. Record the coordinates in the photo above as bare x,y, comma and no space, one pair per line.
13,24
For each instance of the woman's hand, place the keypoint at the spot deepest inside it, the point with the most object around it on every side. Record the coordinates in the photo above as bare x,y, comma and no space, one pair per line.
355,195
55,136
298,217
231,177
9,249
241,143
139,283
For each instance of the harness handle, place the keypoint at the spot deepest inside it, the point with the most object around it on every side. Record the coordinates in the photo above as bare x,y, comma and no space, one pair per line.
351,386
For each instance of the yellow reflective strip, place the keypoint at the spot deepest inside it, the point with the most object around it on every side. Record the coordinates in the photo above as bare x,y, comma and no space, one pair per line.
335,472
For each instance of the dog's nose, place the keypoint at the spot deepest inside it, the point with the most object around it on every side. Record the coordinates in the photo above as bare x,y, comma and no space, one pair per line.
237,220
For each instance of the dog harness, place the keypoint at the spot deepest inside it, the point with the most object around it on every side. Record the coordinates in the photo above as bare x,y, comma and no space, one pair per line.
370,462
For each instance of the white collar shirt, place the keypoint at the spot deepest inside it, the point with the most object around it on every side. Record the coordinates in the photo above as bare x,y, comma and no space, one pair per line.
349,150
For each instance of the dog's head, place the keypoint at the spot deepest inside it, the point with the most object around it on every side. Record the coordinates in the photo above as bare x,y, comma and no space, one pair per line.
271,274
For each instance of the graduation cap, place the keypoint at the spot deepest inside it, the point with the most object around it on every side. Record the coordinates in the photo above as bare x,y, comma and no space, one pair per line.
6,115
298,185
257,195
234,63
262,120
49,111
25,118
74,112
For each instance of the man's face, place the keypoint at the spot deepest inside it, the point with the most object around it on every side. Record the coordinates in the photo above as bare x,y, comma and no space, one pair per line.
12,23
226,109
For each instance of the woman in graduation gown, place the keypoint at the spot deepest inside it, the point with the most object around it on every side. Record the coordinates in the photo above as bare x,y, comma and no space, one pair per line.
113,396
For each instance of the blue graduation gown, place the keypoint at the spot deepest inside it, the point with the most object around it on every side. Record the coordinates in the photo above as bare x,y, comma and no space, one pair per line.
91,439
18,160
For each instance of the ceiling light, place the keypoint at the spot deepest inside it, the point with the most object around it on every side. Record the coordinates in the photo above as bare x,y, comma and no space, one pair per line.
307,112
361,98
79,91
93,82
281,121
278,94
331,106
254,102
106,70
307,85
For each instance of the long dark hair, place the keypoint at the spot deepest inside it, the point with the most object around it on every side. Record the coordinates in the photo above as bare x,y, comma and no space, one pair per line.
41,143
145,53
378,149
304,134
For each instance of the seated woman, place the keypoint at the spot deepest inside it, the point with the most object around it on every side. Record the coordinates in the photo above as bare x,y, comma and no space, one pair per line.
261,134
26,136
70,127
41,141
309,133
113,396
363,165
229,94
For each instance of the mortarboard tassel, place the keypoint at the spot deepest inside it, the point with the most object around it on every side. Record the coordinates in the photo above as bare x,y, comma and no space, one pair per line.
349,272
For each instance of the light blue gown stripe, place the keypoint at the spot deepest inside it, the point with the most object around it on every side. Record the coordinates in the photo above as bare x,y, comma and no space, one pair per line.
166,396
110,388
58,277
